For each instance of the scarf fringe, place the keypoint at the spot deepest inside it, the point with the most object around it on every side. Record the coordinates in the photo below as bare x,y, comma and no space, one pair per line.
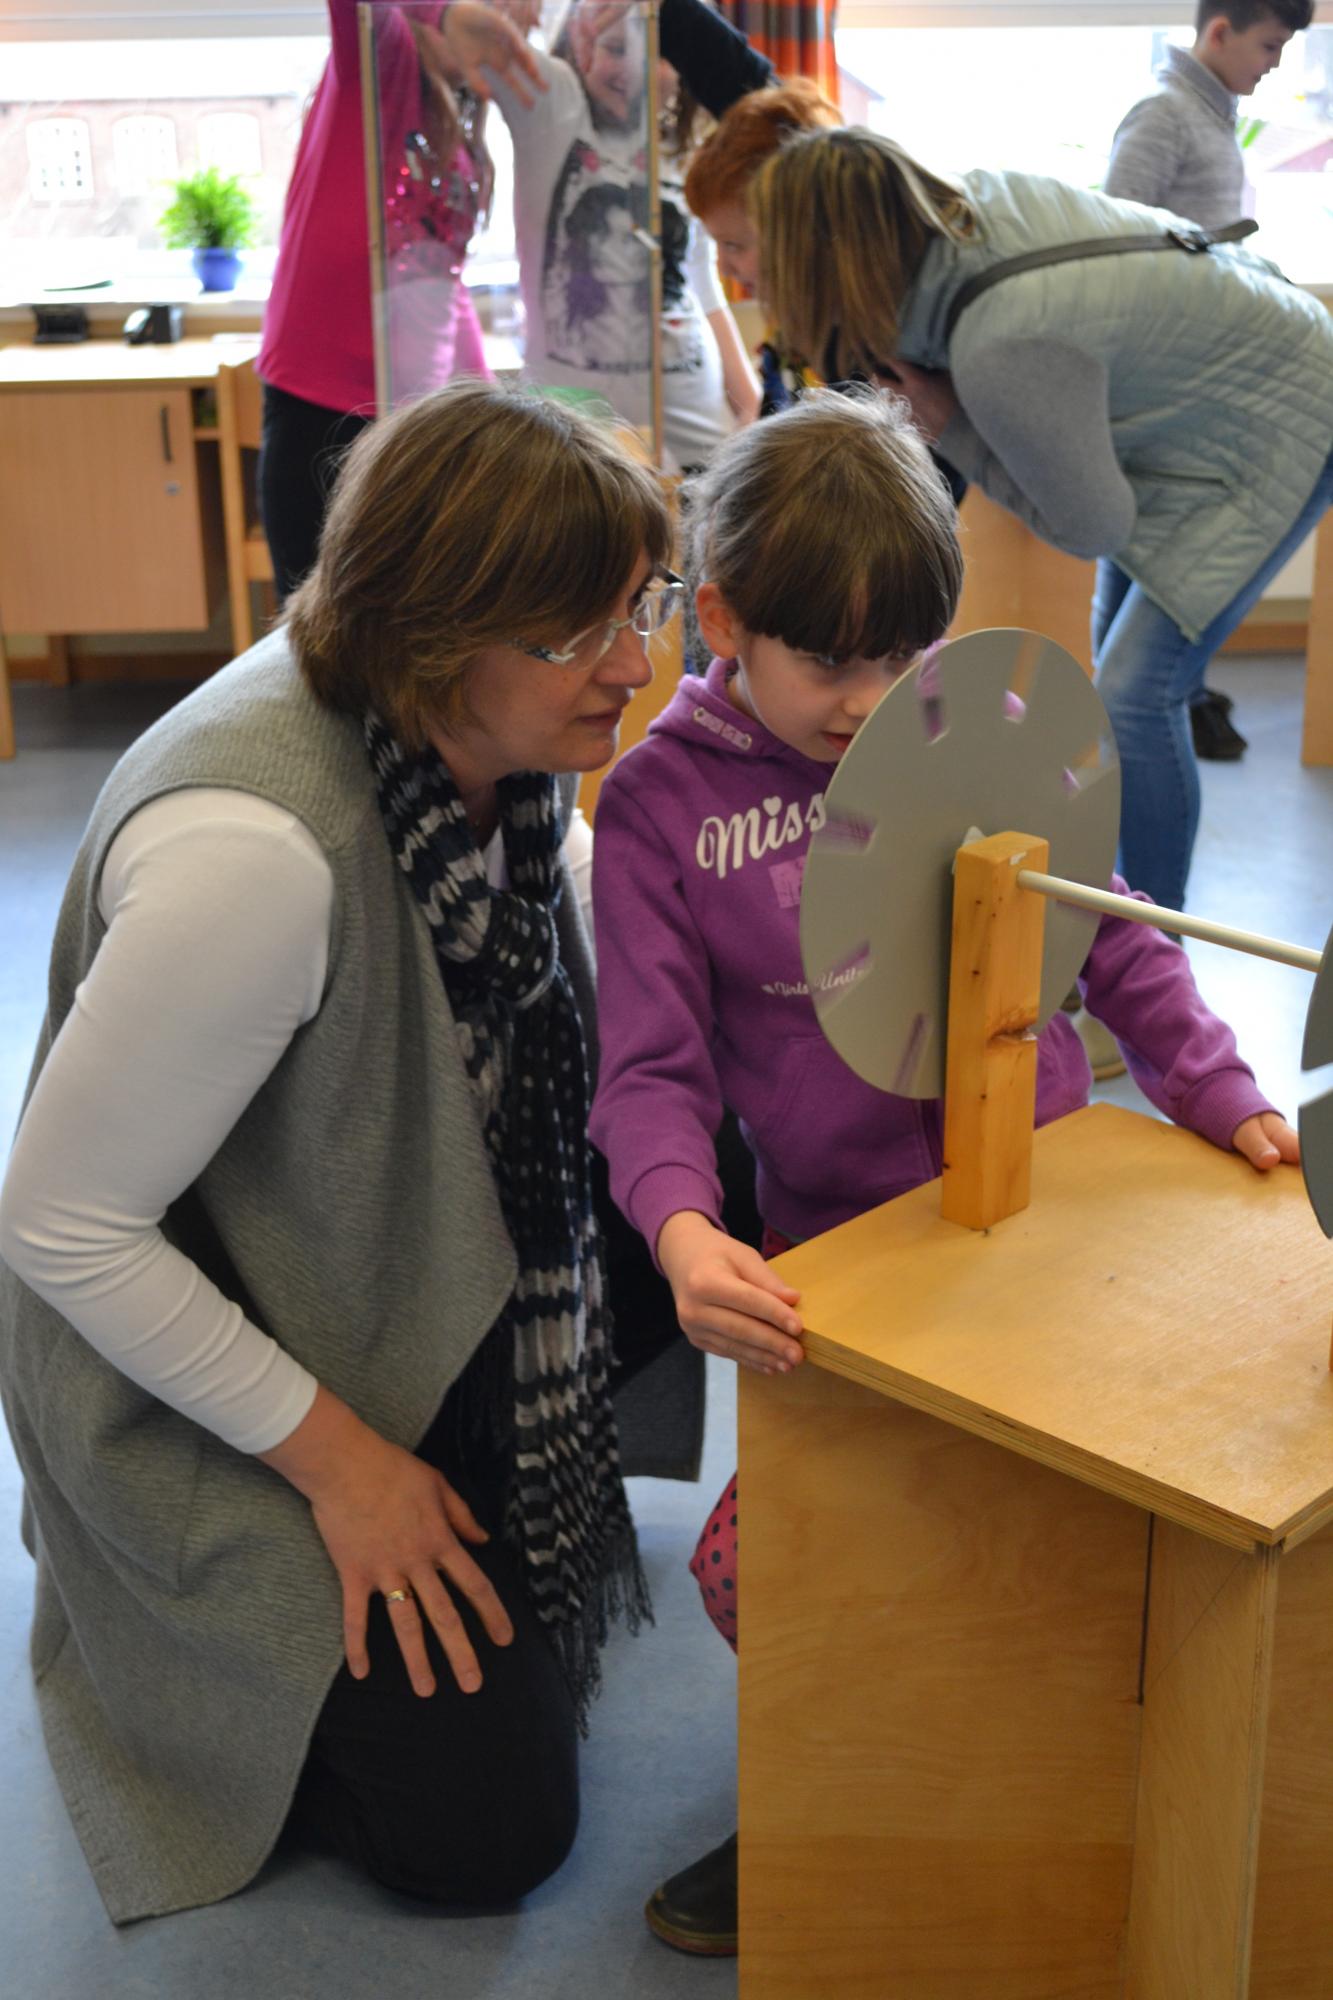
621,1593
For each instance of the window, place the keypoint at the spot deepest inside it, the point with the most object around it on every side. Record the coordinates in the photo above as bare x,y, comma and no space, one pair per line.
1048,100
144,148
229,141
60,160
92,133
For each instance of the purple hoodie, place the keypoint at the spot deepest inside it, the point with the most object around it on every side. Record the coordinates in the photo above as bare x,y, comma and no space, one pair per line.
702,833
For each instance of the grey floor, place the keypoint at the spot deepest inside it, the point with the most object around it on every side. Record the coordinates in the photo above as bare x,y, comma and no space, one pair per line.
659,1769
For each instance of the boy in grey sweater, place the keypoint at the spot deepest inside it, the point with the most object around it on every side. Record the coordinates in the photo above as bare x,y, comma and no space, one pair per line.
1177,149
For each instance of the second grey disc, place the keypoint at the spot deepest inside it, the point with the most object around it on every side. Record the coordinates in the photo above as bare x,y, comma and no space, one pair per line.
1002,731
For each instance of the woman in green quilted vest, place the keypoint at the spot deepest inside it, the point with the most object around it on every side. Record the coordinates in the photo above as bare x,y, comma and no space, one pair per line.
1166,408
303,1326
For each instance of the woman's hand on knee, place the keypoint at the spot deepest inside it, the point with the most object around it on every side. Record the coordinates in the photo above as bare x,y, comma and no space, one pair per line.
393,1524
728,1300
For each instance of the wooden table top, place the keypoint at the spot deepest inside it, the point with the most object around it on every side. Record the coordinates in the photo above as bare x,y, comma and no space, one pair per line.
104,364
1156,1324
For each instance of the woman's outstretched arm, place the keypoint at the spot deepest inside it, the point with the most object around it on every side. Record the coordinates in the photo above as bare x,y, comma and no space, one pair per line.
710,56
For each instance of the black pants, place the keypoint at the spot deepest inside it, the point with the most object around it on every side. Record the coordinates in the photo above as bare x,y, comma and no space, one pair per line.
466,1800
302,447
472,1800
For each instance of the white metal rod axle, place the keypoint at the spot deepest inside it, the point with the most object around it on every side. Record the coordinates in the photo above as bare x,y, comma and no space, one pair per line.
1301,956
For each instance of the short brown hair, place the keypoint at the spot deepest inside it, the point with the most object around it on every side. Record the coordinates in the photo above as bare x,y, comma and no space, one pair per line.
844,220
753,129
1242,14
465,520
828,527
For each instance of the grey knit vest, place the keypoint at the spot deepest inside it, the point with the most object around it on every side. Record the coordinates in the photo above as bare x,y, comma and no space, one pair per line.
188,1617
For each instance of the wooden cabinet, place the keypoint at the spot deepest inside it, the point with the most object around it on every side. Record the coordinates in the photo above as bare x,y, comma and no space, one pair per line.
100,525
110,490
1038,1594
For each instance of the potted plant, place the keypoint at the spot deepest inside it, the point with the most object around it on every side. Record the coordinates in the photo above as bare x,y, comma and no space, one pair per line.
211,214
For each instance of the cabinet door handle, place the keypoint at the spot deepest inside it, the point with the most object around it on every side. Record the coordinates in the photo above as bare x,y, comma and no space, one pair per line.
164,416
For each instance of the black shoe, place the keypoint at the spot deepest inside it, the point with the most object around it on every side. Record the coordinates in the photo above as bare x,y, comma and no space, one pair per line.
696,1910
1216,736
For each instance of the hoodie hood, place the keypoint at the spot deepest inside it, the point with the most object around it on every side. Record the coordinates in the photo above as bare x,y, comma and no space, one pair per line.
702,714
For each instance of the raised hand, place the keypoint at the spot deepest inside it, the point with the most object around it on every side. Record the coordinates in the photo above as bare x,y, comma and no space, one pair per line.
475,40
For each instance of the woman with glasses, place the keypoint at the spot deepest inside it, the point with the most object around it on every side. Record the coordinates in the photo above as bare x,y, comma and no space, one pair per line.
304,1339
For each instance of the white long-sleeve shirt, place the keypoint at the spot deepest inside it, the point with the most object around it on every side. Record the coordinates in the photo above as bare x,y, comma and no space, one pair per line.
218,906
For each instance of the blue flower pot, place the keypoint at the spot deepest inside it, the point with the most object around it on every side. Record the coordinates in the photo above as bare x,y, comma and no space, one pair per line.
216,270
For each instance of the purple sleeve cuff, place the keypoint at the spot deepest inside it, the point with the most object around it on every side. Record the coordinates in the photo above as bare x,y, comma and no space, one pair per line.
664,1191
1221,1102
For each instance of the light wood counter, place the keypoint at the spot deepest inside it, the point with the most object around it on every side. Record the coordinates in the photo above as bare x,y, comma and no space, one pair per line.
109,364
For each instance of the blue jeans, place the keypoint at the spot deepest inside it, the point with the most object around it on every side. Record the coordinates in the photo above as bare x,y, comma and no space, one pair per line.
1147,671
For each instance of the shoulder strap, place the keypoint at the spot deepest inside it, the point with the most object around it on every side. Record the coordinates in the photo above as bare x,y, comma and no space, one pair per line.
1181,236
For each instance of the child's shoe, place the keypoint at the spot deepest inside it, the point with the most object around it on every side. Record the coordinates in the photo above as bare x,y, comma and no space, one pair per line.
696,1909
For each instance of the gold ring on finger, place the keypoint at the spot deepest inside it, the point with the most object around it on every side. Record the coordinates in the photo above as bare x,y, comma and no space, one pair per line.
397,1597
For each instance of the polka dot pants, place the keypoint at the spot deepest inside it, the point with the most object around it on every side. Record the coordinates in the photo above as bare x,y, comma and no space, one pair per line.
713,1564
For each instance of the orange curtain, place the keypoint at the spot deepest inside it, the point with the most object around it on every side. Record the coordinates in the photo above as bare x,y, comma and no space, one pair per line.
795,35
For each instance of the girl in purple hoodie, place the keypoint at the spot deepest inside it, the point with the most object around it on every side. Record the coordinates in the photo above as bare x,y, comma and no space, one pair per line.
824,562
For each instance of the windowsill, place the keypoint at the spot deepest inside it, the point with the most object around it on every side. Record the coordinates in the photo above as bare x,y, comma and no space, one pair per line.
242,309
238,311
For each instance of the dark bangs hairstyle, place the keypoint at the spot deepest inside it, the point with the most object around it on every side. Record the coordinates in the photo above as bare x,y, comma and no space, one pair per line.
828,527
470,519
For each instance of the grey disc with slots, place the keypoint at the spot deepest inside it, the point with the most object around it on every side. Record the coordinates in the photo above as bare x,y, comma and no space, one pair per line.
1002,731
1315,1123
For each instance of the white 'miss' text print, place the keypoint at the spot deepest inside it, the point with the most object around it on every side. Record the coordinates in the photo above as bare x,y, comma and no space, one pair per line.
724,846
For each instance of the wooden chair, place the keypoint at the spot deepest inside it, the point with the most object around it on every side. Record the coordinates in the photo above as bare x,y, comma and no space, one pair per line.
248,559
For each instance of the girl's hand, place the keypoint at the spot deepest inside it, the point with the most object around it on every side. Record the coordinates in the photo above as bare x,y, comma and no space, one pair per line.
525,14
391,1522
928,392
586,26
728,1300
1267,1141
475,39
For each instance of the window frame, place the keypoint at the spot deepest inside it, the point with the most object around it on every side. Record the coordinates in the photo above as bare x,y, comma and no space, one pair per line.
155,20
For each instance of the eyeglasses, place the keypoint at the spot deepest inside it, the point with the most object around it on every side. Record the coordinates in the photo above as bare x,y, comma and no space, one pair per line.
657,607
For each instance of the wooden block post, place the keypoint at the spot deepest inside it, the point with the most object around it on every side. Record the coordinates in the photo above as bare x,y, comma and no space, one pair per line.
990,1089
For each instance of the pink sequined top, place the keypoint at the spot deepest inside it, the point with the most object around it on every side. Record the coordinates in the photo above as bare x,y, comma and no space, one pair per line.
317,331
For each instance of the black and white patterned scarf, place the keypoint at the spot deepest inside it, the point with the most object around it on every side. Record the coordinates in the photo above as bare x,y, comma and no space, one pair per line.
538,1383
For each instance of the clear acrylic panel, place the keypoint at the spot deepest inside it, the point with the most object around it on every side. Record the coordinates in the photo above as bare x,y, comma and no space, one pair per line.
518,237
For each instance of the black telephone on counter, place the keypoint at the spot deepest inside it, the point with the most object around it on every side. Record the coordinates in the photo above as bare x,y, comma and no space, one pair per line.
154,325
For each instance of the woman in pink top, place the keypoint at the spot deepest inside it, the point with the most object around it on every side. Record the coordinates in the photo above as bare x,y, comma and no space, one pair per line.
317,357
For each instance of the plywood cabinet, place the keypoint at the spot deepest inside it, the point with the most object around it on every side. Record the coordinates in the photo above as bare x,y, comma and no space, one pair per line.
100,521
1037,1567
